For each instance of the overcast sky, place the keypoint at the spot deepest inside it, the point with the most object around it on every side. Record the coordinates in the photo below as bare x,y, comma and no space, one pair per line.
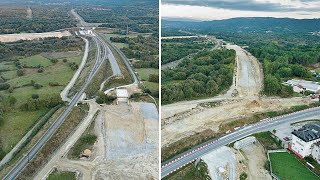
225,9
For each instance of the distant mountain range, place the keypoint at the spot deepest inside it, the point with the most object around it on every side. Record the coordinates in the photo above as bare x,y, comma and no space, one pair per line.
256,24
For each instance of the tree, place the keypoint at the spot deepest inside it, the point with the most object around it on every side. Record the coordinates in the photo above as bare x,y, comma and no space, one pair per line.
35,96
179,76
271,85
212,87
20,72
154,78
4,86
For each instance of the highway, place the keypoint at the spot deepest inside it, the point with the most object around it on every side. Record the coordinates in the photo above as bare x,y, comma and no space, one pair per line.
101,55
191,155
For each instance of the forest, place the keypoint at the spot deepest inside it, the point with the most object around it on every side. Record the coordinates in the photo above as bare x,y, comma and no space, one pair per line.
285,47
43,19
143,48
138,16
177,48
206,74
29,48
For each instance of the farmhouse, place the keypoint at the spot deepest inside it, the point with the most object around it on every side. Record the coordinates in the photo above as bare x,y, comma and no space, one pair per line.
304,139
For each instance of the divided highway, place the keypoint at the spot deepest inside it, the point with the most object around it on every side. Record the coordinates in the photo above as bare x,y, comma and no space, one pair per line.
189,156
101,55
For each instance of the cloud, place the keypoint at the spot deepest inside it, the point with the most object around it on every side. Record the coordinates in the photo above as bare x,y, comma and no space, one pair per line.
234,5
224,9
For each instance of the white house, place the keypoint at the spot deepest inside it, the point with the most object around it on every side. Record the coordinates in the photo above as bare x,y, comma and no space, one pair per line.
304,138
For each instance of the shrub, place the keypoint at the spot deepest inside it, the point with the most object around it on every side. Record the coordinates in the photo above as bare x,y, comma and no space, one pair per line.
20,72
4,86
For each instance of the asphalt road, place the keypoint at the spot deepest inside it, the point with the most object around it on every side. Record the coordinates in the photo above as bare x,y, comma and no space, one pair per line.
23,162
189,156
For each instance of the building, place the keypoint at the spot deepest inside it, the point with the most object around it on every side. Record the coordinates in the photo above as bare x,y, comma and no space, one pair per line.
122,95
304,139
316,152
302,85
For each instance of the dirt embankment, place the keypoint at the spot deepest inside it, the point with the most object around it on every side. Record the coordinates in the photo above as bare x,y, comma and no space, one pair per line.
32,36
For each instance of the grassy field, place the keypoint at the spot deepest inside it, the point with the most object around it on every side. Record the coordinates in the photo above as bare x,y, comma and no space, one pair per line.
152,86
17,122
57,175
121,45
288,167
34,61
145,72
9,74
15,125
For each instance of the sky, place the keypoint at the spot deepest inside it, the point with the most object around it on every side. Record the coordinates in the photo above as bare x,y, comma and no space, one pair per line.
226,9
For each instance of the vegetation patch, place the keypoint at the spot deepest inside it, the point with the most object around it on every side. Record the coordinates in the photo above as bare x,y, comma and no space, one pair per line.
62,133
207,74
267,141
191,172
35,61
287,166
178,48
86,141
62,175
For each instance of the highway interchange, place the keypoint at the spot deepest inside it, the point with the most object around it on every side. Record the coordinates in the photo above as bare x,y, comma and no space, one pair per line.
191,155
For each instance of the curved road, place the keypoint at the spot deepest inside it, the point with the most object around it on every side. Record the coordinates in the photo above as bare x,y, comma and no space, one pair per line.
189,156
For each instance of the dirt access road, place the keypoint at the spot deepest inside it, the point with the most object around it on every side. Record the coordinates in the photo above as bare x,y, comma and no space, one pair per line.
248,80
126,146
183,119
32,36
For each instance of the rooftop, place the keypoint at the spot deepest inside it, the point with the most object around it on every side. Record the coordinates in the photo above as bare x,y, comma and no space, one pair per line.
308,132
309,85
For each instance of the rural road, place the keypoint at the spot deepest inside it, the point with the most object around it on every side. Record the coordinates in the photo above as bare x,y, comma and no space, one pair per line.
65,91
191,155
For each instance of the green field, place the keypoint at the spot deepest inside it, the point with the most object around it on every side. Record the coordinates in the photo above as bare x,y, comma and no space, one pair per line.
35,61
16,122
152,86
145,72
9,74
56,175
15,125
121,45
7,66
288,167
